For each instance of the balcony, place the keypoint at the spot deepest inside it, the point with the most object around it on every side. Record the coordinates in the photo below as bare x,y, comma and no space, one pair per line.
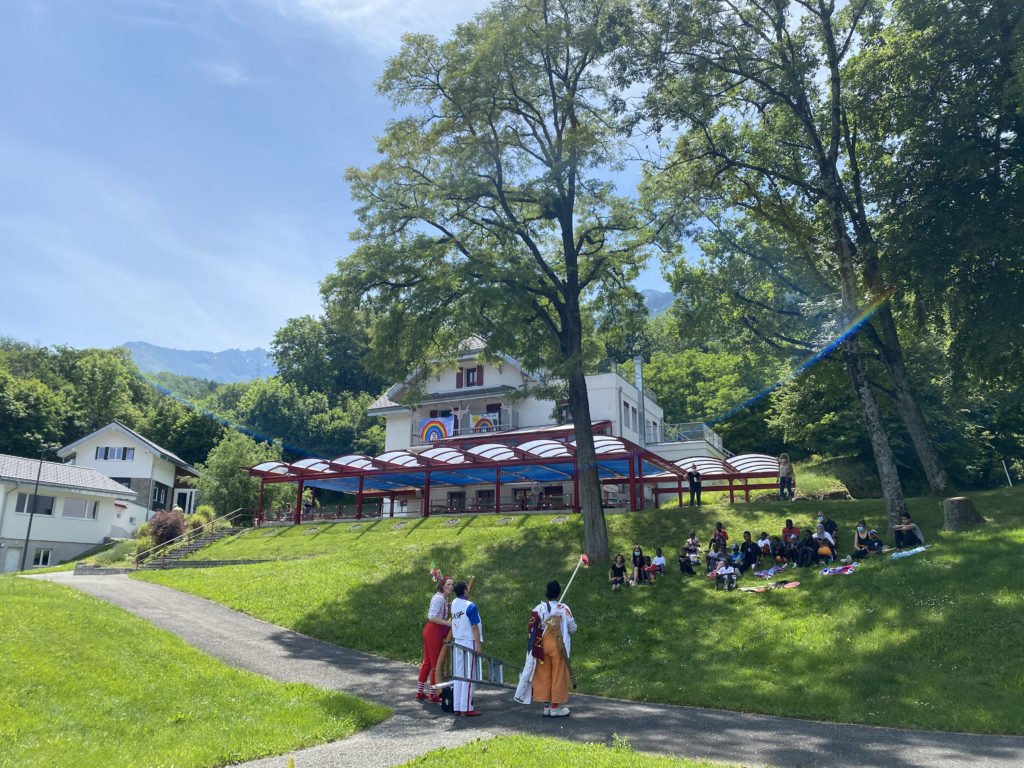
470,423
682,433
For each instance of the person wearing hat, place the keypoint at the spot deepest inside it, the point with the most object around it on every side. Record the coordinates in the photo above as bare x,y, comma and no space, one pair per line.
552,674
874,543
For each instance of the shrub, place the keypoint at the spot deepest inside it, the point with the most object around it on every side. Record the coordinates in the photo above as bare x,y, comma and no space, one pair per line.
166,525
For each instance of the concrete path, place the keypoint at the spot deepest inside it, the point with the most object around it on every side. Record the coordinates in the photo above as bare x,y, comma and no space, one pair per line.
416,728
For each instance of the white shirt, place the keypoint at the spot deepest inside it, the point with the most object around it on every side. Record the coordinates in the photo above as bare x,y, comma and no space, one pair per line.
658,560
438,607
546,608
462,624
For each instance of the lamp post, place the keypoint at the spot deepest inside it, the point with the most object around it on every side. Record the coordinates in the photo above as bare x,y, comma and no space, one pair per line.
32,509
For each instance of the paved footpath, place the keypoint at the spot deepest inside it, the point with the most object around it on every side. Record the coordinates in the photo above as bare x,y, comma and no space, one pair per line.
416,728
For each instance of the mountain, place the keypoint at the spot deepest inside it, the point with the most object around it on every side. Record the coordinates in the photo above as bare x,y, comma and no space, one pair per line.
227,366
657,301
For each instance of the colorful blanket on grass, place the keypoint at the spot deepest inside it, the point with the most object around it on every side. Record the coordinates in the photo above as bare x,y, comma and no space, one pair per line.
843,569
770,572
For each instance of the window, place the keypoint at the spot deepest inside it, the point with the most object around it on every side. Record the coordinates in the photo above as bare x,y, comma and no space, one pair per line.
456,499
115,454
485,498
625,414
471,377
123,481
41,558
43,504
636,424
79,508
159,495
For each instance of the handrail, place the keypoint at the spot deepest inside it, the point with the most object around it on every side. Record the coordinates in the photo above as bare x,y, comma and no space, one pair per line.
189,536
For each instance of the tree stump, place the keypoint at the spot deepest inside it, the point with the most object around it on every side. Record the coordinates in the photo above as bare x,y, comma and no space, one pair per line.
960,513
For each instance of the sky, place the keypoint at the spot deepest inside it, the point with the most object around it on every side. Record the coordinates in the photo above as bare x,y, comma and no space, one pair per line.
172,171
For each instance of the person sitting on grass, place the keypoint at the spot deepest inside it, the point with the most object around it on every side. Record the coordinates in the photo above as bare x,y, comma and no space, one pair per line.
826,544
791,548
790,533
692,545
874,543
735,557
807,550
907,533
725,576
750,552
830,525
659,561
638,565
715,554
860,541
650,571
720,536
764,544
685,566
617,573
777,552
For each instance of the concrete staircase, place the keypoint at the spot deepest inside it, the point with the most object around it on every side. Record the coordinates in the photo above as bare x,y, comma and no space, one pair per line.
172,558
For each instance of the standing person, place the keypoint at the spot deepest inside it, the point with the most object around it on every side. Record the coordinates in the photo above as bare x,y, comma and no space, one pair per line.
434,633
693,476
551,678
467,632
787,479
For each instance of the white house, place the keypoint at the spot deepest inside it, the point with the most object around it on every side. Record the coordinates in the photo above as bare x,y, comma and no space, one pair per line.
482,398
122,454
76,509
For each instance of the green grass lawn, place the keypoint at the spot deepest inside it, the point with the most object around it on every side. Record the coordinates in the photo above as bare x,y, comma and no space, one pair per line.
538,752
930,641
87,684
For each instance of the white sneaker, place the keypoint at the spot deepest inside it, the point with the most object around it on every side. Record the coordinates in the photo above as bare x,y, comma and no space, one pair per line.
559,712
546,712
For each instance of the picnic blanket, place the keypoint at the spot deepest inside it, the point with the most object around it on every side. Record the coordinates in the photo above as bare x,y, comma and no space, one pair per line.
770,572
843,570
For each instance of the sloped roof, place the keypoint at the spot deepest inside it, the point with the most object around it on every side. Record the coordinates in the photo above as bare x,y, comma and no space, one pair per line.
52,474
119,427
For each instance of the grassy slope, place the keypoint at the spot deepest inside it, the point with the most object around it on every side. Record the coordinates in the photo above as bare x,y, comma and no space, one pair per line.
538,752
930,641
87,684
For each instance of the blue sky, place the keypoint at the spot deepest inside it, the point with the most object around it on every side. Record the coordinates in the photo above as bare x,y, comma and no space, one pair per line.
171,171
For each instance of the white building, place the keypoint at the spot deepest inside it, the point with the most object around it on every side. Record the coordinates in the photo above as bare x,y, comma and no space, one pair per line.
482,398
155,474
76,509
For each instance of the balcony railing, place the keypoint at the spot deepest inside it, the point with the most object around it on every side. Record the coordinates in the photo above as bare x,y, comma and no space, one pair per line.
681,433
497,421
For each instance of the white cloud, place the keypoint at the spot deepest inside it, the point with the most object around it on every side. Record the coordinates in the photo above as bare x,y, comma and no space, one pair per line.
225,73
378,25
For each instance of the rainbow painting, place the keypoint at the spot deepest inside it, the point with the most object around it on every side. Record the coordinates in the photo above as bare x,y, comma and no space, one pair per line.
438,428
484,424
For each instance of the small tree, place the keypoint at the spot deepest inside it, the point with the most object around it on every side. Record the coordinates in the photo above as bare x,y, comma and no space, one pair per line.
165,525
223,483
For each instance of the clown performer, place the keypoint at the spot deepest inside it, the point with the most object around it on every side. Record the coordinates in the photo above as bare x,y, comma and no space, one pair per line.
552,673
434,633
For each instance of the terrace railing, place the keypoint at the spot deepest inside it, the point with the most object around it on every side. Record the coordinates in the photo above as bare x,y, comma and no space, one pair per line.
680,433
507,419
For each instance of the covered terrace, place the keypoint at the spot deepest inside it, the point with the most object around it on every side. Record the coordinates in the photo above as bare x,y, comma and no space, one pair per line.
534,461
743,472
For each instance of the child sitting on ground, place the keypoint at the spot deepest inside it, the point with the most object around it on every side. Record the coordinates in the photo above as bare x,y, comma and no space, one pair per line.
649,571
725,576
685,566
617,573
777,552
659,561
764,544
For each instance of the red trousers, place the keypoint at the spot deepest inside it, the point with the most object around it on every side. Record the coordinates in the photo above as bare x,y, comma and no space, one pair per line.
433,640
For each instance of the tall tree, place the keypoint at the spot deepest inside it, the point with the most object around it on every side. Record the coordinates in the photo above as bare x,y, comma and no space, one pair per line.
492,211
759,91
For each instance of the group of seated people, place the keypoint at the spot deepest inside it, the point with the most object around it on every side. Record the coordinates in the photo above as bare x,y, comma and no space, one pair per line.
792,548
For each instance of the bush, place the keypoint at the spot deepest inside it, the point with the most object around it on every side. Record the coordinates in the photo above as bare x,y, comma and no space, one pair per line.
166,525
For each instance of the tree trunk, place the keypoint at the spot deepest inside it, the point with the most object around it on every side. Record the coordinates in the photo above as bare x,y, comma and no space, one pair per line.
892,490
960,513
892,357
595,533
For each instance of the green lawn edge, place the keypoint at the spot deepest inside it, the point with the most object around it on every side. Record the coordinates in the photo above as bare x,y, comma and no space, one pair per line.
88,684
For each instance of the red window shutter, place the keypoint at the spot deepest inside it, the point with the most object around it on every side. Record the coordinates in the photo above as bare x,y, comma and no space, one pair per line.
458,379
479,375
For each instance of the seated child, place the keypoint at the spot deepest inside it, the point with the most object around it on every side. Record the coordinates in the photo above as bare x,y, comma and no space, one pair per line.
874,543
749,552
650,571
777,552
725,576
685,566
714,554
692,548
659,561
617,573
736,557
764,543
807,550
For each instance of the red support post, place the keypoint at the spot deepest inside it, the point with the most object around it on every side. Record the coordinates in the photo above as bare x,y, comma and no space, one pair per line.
259,507
298,505
391,511
732,492
426,494
497,490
